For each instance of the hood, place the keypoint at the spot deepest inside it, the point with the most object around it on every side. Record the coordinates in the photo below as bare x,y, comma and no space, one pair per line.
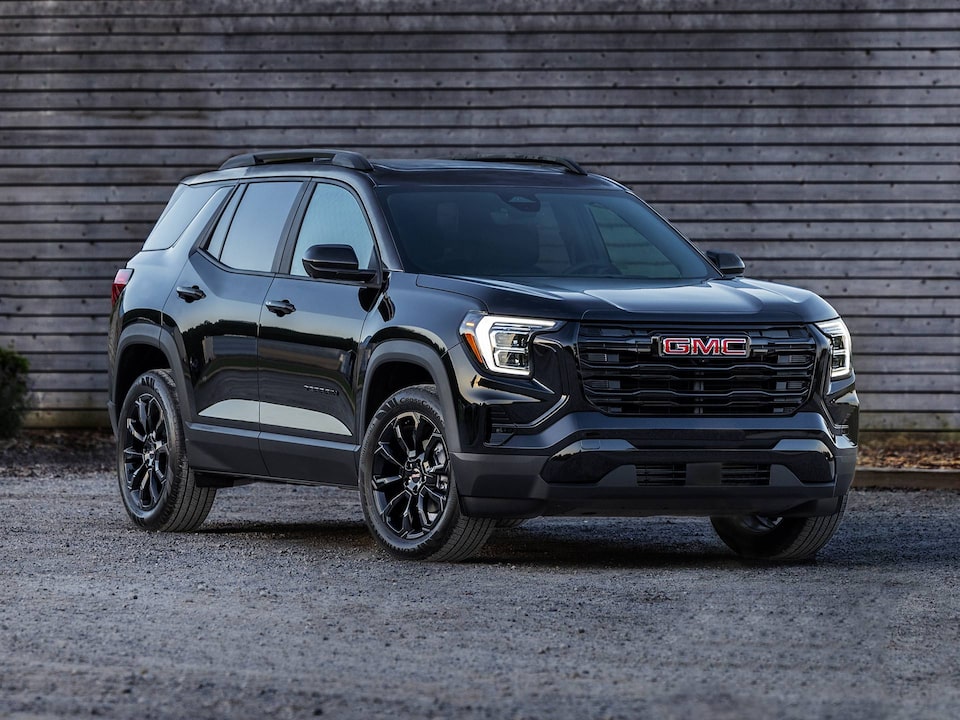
738,300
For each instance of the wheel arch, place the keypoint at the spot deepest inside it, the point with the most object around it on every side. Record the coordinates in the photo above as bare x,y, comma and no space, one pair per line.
144,347
397,364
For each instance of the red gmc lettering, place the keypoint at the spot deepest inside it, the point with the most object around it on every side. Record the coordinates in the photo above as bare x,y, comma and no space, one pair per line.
735,347
699,346
676,346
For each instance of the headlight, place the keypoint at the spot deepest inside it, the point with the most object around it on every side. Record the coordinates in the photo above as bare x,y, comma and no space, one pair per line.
842,352
502,344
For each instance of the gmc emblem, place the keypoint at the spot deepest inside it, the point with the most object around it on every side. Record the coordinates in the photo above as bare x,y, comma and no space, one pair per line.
698,346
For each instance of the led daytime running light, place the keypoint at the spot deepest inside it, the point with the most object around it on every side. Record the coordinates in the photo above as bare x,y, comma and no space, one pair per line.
502,344
841,364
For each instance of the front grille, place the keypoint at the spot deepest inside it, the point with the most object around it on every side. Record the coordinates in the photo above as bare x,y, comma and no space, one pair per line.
722,473
623,372
661,474
734,474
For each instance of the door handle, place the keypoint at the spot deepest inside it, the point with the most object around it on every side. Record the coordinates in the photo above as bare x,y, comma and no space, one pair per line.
190,293
280,307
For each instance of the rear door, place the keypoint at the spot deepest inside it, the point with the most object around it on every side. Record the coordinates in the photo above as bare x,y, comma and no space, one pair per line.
216,307
310,338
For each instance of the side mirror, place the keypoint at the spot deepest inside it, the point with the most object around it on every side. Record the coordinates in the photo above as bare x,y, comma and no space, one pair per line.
728,263
335,262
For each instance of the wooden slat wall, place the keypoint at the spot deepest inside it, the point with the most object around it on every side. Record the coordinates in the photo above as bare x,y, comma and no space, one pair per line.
817,138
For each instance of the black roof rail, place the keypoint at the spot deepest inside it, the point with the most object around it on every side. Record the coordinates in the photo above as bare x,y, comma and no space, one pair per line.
343,158
567,163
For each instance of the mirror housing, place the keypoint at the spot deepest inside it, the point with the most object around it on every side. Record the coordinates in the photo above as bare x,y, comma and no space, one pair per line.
728,263
335,262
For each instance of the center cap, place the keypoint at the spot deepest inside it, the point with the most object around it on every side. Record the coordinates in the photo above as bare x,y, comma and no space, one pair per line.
414,479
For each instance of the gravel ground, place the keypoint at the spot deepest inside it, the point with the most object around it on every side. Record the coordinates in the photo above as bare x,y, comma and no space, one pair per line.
281,606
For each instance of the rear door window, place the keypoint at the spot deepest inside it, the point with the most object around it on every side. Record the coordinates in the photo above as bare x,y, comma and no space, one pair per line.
253,233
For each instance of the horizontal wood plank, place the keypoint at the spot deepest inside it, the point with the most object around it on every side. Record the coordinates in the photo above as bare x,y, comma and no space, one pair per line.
543,52
829,119
86,418
100,161
189,9
906,422
515,19
140,103
948,384
67,362
528,134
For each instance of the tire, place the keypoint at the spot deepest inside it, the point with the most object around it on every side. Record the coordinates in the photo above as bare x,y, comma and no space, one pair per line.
407,488
156,483
777,538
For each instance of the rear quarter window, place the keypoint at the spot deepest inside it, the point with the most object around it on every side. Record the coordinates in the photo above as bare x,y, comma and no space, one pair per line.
186,202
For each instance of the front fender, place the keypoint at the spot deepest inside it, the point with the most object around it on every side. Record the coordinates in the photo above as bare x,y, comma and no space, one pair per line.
422,355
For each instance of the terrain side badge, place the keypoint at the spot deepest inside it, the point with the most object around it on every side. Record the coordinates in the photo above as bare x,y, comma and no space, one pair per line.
705,346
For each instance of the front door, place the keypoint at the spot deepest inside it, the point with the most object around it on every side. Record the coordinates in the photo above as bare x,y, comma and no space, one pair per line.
311,333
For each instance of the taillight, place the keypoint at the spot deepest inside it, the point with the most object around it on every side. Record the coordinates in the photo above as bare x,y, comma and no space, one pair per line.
119,283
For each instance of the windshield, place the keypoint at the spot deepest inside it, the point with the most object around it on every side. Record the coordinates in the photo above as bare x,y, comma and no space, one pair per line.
529,232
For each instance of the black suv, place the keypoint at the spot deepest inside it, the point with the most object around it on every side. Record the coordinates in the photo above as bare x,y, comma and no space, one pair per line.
478,342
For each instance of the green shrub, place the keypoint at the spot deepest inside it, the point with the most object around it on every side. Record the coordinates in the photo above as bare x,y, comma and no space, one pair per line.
13,392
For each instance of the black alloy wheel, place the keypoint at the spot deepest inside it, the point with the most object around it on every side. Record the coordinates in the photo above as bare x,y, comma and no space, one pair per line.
410,477
146,455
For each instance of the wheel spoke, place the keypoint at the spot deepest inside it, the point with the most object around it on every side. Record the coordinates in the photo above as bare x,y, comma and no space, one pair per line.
162,458
379,483
134,481
391,506
407,527
144,492
138,436
439,499
142,415
435,469
130,455
160,429
408,447
156,486
422,512
384,449
424,432
433,441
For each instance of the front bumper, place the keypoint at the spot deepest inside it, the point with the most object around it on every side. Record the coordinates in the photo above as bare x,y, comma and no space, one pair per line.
592,464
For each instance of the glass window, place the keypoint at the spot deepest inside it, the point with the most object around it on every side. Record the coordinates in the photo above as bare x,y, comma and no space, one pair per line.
251,241
215,243
334,217
183,207
536,232
628,249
